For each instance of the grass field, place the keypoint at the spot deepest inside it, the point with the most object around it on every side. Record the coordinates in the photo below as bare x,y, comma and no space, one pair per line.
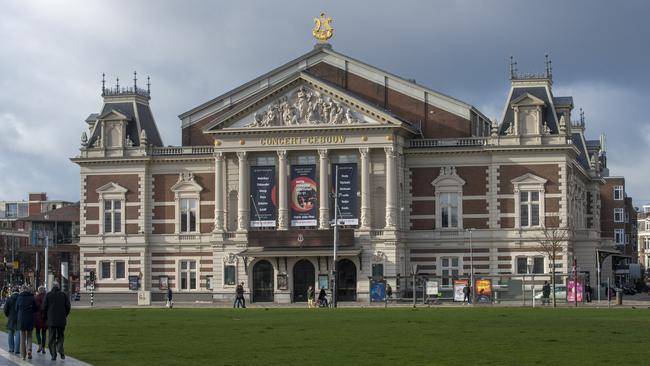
402,336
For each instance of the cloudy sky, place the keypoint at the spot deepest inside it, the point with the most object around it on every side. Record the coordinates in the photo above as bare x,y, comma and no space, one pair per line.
52,55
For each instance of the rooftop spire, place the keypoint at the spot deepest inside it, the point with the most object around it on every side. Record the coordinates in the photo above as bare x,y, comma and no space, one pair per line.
582,117
513,68
103,83
135,80
117,85
549,67
148,86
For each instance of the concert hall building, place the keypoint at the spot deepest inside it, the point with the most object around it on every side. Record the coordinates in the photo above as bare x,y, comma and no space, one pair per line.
248,196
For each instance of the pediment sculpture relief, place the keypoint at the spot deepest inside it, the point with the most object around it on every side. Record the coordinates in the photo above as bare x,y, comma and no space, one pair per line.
304,107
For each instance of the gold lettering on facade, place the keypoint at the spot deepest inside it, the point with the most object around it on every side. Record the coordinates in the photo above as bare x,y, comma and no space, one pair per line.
311,140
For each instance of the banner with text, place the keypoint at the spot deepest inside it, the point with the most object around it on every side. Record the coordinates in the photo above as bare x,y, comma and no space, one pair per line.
304,195
263,191
348,188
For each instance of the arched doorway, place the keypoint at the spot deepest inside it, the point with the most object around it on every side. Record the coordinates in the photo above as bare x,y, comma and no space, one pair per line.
303,277
262,281
346,286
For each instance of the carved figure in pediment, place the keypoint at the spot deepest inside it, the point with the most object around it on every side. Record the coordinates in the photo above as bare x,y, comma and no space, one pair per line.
510,130
326,107
336,115
349,117
289,116
312,114
546,129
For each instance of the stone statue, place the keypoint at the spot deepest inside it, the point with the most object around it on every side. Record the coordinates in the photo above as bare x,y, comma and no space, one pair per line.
84,138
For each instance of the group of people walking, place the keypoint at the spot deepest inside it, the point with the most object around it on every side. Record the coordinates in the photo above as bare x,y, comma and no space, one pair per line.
24,312
322,298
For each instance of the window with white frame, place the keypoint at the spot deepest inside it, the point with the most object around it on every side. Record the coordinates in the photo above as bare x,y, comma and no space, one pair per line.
112,216
450,269
618,192
619,236
120,270
188,202
618,215
529,209
188,215
105,270
647,225
538,265
529,201
229,275
449,199
449,202
646,243
112,202
188,275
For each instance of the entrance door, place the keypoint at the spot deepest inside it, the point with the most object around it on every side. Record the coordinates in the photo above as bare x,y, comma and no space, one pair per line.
346,287
303,277
262,282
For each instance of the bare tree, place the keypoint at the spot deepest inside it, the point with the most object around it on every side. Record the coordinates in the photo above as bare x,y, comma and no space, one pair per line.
553,244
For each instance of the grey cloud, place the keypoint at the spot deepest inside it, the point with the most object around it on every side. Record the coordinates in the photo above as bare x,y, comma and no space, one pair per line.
53,55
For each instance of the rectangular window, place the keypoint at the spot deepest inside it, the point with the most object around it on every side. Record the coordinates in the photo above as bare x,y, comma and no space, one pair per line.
619,236
11,210
188,275
538,265
646,243
618,192
378,270
112,216
522,265
188,215
105,270
647,225
449,210
618,215
529,209
229,275
450,270
120,270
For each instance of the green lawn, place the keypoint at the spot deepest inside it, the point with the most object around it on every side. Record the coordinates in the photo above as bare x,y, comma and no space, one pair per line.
434,336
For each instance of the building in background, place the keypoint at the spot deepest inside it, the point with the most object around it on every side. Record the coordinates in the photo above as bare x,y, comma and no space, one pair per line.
643,222
14,234
59,230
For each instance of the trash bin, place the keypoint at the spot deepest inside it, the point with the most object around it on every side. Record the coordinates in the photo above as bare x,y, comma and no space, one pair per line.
619,297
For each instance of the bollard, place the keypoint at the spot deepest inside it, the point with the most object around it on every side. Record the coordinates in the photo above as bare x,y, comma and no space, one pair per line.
619,297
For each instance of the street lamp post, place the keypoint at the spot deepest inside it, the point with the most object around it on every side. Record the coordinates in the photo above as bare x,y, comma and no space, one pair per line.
336,232
45,280
471,267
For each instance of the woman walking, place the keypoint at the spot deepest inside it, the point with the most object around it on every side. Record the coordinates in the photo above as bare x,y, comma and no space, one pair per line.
25,309
39,320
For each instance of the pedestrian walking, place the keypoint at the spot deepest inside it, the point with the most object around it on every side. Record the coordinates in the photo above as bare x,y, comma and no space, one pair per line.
310,297
25,309
322,298
39,320
546,293
10,313
588,292
240,301
170,295
56,308
466,298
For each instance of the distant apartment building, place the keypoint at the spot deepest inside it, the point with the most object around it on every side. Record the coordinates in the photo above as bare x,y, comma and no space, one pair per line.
14,233
643,220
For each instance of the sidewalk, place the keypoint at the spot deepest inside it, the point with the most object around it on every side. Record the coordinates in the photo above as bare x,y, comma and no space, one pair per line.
41,359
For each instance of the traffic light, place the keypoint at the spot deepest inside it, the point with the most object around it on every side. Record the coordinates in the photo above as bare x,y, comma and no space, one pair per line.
92,276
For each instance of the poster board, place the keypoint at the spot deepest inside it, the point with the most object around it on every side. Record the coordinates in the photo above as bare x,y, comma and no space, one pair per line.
432,288
134,283
458,289
377,291
572,286
163,282
483,291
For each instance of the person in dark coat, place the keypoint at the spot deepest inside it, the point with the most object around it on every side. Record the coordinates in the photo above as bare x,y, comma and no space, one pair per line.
25,309
466,297
10,313
56,308
170,302
39,320
546,293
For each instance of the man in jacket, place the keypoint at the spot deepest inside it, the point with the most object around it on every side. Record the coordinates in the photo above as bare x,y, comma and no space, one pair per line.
10,313
56,308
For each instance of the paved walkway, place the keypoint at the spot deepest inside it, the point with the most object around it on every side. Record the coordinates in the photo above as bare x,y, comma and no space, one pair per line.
40,359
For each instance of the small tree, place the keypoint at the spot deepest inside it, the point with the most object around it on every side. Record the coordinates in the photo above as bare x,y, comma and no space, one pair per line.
551,245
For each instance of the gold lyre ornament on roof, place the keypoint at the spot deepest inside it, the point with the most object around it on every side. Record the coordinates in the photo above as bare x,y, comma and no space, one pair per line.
322,29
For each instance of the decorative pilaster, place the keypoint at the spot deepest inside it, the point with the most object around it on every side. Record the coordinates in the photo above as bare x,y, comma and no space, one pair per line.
365,188
218,192
283,212
324,211
391,187
243,197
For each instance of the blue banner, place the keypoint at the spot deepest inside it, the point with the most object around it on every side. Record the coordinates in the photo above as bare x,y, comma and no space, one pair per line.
263,196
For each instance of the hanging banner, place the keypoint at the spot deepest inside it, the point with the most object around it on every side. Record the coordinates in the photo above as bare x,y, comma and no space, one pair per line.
348,188
304,195
263,190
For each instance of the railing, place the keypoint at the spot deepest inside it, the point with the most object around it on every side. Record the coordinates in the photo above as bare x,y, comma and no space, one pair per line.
376,233
182,150
464,141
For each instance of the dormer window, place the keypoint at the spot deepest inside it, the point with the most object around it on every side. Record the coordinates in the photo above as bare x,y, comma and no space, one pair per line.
527,110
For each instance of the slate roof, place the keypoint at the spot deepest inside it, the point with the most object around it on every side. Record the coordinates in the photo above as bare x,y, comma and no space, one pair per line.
547,110
563,101
144,116
583,157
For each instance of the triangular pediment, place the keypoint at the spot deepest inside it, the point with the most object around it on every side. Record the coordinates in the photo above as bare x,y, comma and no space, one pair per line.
529,179
111,188
113,115
186,183
304,102
527,99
